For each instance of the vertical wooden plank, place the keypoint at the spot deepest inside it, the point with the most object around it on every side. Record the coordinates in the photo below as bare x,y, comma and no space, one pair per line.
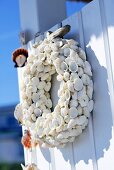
83,148
102,114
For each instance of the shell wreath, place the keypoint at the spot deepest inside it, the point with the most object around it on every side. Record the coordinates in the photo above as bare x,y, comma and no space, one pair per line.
70,115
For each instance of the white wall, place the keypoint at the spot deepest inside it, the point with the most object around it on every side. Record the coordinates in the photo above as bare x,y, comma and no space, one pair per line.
93,27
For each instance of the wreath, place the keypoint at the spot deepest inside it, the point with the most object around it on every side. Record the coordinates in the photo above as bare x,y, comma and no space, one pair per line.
70,116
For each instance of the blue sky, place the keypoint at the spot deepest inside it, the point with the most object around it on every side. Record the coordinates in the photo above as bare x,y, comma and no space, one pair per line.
9,41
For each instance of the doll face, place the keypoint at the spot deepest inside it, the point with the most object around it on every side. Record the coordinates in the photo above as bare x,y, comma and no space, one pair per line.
20,60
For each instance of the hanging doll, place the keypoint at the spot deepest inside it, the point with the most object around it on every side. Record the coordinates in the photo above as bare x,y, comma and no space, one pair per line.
19,57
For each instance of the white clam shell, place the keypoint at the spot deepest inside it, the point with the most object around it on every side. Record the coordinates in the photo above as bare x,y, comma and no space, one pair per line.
75,95
80,71
86,79
18,113
47,49
73,67
90,105
73,103
74,76
70,86
35,97
90,89
37,112
41,85
73,55
82,54
45,76
66,76
63,67
86,111
71,123
81,120
80,62
79,108
73,112
64,111
67,95
59,77
78,84
84,101
66,52
35,81
81,93
33,117
47,87
49,103
87,68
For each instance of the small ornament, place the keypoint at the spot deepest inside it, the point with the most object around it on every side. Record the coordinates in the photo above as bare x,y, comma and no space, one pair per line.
19,57
26,140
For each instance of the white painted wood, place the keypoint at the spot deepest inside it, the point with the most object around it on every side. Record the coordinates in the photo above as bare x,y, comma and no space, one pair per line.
95,40
93,28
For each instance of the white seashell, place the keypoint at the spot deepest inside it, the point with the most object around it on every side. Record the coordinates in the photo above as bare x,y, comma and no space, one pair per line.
45,76
81,93
38,103
81,120
80,62
74,76
72,42
73,112
33,69
90,89
57,62
90,105
82,54
64,111
47,49
47,68
40,68
80,71
33,117
41,85
47,86
71,123
37,112
41,48
63,67
68,60
73,67
66,76
66,52
75,95
59,77
84,101
70,86
26,80
74,47
18,113
86,79
87,68
86,111
35,81
73,103
49,103
34,89
79,108
35,97
54,47
67,95
73,55
78,84
41,56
